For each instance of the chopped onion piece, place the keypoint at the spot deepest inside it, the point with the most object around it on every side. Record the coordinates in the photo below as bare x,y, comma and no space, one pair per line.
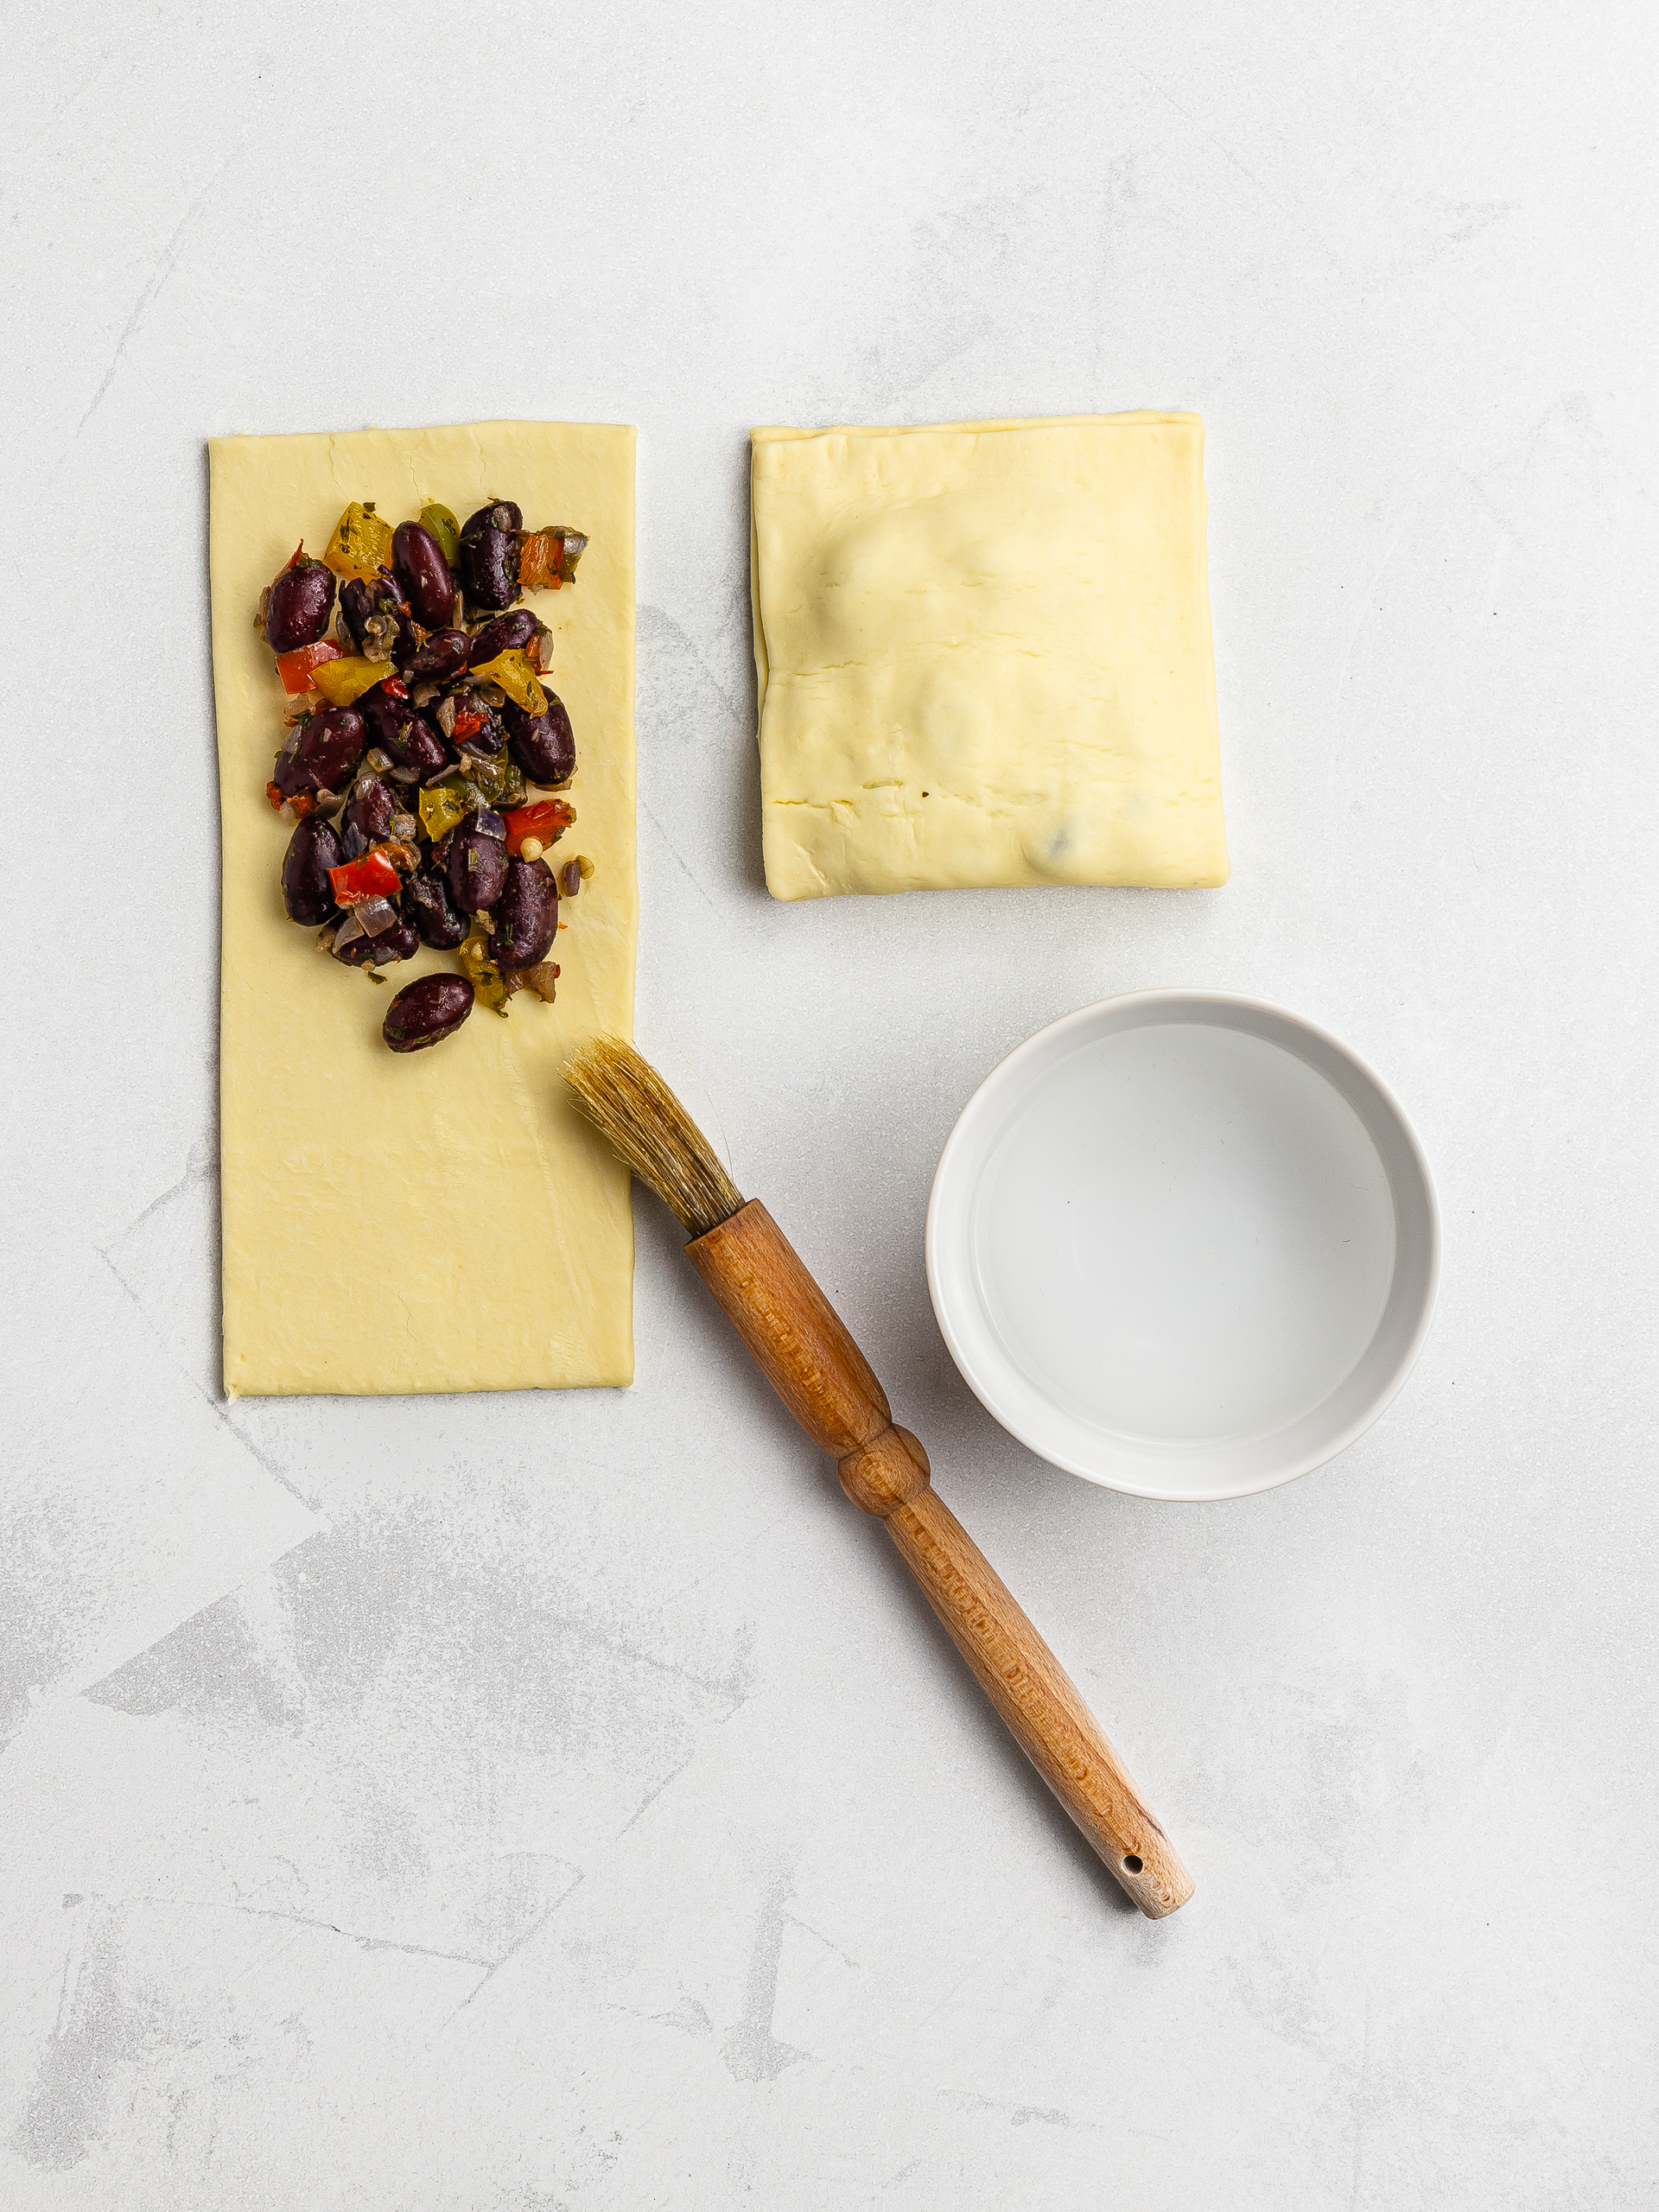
372,916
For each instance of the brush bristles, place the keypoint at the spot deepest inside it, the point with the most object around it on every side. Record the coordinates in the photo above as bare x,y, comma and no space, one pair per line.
634,1108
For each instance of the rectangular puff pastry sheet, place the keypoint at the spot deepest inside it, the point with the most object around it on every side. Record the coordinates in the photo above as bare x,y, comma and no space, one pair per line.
441,1220
983,656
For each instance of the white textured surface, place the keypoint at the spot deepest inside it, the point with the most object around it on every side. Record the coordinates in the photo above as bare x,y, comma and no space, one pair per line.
530,1803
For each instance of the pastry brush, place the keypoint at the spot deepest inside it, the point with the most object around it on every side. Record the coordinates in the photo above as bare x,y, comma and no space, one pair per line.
807,1354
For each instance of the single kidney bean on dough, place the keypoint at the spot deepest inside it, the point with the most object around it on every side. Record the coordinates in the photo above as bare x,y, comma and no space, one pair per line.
427,1011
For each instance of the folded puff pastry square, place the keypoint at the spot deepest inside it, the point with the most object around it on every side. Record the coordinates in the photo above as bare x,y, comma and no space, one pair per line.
984,658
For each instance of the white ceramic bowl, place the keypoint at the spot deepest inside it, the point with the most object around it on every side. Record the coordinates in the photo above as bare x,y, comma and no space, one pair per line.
1183,1244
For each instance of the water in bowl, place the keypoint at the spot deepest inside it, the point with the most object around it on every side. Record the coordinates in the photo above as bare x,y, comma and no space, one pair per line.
1184,1236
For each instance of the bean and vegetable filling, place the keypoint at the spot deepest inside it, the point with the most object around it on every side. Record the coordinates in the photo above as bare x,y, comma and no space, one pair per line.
423,755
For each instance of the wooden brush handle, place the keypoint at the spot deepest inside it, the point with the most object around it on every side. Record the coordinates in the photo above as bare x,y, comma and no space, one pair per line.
825,1380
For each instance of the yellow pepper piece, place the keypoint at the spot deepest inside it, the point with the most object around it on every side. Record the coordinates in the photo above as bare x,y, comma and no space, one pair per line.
442,807
513,672
361,543
342,681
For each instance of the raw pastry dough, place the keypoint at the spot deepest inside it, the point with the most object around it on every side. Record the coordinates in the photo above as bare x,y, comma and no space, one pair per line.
441,1220
983,654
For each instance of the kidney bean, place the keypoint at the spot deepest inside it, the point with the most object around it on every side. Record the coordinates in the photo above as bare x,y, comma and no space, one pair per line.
312,851
398,942
476,726
321,752
418,563
476,865
429,905
427,1011
367,818
544,746
383,714
525,915
502,635
489,554
398,729
298,610
505,514
377,620
356,605
444,655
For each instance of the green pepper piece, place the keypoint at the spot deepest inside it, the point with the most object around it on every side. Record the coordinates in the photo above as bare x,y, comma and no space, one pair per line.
500,783
444,527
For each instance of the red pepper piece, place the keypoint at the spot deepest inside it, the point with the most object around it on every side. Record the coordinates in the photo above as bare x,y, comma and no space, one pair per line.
296,668
548,819
372,877
394,687
468,722
295,808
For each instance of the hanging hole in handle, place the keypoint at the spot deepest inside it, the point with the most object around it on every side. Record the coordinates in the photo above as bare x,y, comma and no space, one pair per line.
1132,1864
